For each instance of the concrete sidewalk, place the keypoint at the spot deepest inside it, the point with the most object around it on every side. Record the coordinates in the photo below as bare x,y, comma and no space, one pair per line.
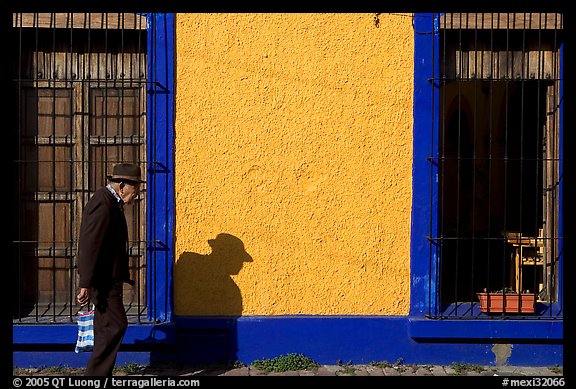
323,370
371,370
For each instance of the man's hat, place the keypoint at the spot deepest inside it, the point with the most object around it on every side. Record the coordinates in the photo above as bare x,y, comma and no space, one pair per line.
125,172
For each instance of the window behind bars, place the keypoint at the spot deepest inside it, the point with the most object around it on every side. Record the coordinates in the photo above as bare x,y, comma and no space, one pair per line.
498,164
80,83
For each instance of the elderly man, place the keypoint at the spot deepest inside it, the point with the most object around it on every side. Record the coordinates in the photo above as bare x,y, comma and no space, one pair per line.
103,264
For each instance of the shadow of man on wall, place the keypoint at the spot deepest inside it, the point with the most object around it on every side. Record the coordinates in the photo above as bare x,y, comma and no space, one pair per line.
206,291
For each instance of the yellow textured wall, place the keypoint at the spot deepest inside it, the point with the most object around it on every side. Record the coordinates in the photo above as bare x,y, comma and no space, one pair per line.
293,156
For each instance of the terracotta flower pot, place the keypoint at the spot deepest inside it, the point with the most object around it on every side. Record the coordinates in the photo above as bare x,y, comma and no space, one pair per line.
506,302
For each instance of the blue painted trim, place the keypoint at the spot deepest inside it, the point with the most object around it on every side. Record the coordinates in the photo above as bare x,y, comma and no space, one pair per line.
28,359
486,330
419,328
326,339
561,183
422,276
359,339
160,206
53,334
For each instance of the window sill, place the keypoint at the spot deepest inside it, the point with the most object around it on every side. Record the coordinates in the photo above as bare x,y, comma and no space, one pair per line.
451,329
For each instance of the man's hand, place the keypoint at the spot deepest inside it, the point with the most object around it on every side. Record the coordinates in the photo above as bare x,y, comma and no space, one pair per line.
83,297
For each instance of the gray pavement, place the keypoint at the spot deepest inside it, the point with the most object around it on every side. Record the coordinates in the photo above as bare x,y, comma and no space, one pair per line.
370,370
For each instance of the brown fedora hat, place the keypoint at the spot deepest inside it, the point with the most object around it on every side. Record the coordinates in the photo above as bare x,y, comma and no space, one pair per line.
125,172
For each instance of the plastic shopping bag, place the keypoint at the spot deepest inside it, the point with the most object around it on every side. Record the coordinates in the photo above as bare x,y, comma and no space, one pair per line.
85,341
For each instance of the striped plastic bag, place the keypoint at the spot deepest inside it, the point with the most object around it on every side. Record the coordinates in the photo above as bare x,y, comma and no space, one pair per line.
85,341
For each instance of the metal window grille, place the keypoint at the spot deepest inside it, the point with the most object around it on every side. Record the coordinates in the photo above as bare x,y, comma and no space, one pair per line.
498,165
80,83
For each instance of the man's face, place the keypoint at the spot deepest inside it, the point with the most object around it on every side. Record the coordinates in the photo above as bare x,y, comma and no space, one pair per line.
129,191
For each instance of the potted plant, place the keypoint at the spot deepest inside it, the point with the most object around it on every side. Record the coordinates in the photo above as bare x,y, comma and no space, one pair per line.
507,301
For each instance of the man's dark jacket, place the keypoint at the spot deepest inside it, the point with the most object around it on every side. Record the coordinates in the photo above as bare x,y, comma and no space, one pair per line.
103,243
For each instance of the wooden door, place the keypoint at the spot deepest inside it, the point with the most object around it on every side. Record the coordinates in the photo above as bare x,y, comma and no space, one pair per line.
81,84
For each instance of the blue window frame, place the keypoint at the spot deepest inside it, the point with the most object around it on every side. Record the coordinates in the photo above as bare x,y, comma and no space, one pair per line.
425,257
160,206
159,209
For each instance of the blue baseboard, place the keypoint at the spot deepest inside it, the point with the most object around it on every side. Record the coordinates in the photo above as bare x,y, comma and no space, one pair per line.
326,339
38,359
